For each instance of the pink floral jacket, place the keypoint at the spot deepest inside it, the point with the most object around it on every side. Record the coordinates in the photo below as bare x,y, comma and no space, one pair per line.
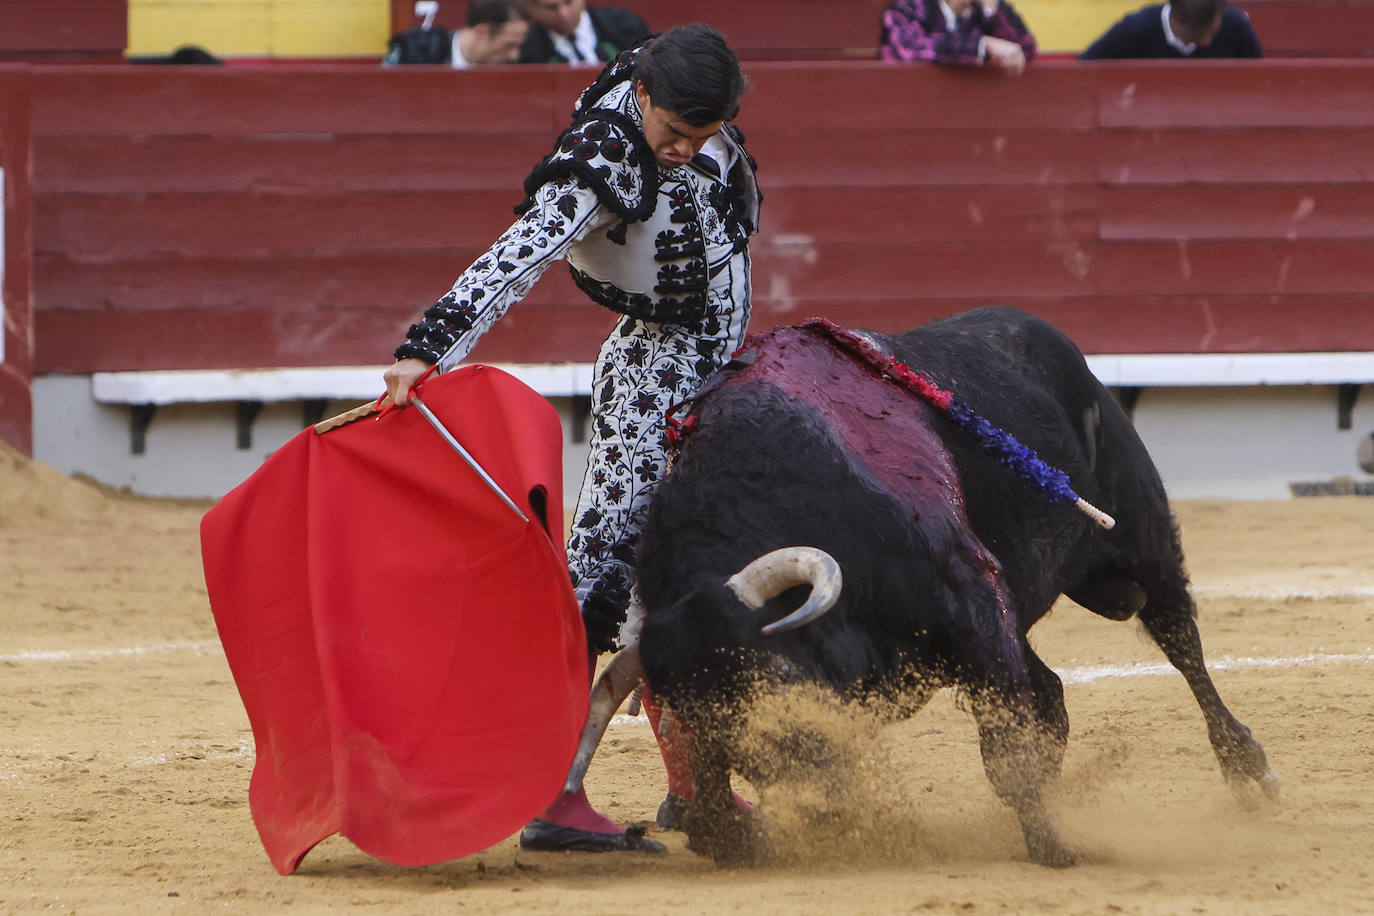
917,30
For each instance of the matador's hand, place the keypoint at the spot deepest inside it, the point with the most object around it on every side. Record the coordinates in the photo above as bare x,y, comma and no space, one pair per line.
1007,56
401,376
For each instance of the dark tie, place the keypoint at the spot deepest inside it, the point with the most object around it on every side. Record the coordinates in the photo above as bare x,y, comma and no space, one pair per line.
704,163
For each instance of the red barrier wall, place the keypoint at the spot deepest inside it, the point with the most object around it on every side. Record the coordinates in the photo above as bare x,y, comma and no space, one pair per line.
222,218
47,31
16,354
1313,28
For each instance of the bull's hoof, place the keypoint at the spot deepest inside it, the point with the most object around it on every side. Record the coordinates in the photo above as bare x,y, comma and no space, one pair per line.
1051,854
1247,771
546,836
672,812
737,841
1255,794
1042,838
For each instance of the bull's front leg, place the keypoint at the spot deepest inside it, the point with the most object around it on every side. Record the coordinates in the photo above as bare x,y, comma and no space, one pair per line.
715,825
1018,763
1171,619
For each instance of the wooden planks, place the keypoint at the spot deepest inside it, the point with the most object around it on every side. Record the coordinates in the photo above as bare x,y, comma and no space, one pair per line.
16,262
1313,28
306,216
43,31
286,101
1221,94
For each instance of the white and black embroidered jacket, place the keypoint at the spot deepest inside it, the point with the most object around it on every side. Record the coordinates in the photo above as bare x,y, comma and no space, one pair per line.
639,239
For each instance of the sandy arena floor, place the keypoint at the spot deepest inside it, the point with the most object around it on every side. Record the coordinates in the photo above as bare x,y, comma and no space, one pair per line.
125,753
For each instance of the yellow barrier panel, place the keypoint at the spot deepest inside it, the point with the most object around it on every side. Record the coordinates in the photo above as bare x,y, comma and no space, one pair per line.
261,28
1069,26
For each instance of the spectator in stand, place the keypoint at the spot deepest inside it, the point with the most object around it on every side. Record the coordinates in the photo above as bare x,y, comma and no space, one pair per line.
186,54
494,32
566,32
1180,29
957,33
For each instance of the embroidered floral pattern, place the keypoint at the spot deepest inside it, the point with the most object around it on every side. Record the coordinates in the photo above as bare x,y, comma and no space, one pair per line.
452,326
643,368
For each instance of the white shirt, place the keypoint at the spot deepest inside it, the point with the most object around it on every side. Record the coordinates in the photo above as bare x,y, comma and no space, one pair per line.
581,49
1186,48
456,60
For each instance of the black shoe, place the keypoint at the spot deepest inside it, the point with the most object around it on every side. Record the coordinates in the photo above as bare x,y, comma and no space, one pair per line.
545,836
672,813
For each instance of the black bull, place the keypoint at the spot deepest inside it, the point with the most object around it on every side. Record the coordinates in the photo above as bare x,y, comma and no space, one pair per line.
947,559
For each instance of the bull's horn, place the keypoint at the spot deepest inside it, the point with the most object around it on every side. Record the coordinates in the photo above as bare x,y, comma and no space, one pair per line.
773,573
609,691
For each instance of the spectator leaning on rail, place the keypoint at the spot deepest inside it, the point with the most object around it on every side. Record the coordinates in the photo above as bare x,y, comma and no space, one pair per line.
493,34
651,198
958,33
1180,29
566,32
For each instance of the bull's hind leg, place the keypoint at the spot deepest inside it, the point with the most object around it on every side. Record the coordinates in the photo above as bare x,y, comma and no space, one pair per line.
1017,765
1170,617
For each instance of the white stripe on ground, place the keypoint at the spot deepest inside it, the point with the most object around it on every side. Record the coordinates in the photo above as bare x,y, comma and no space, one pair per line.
1087,674
81,655
1280,593
1084,674
1283,593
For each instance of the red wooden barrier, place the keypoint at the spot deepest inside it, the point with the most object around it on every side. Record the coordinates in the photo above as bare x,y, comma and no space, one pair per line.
229,218
46,31
1313,28
16,304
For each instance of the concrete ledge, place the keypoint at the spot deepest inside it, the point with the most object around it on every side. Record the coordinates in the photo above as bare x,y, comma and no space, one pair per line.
1184,370
361,383
343,383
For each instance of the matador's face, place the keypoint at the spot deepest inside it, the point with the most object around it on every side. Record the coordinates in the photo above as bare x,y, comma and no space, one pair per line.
672,139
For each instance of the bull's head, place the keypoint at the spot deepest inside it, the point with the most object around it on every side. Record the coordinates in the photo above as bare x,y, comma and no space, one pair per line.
757,583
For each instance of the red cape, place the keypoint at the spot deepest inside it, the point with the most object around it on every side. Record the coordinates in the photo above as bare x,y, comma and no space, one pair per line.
410,653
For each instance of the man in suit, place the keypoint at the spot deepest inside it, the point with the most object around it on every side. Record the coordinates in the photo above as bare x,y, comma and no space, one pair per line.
1179,30
567,32
493,34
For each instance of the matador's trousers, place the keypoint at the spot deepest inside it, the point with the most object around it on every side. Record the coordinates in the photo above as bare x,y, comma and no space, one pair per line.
642,370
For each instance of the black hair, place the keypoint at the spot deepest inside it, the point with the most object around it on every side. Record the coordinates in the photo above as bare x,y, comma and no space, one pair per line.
692,72
495,12
186,54
1196,14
